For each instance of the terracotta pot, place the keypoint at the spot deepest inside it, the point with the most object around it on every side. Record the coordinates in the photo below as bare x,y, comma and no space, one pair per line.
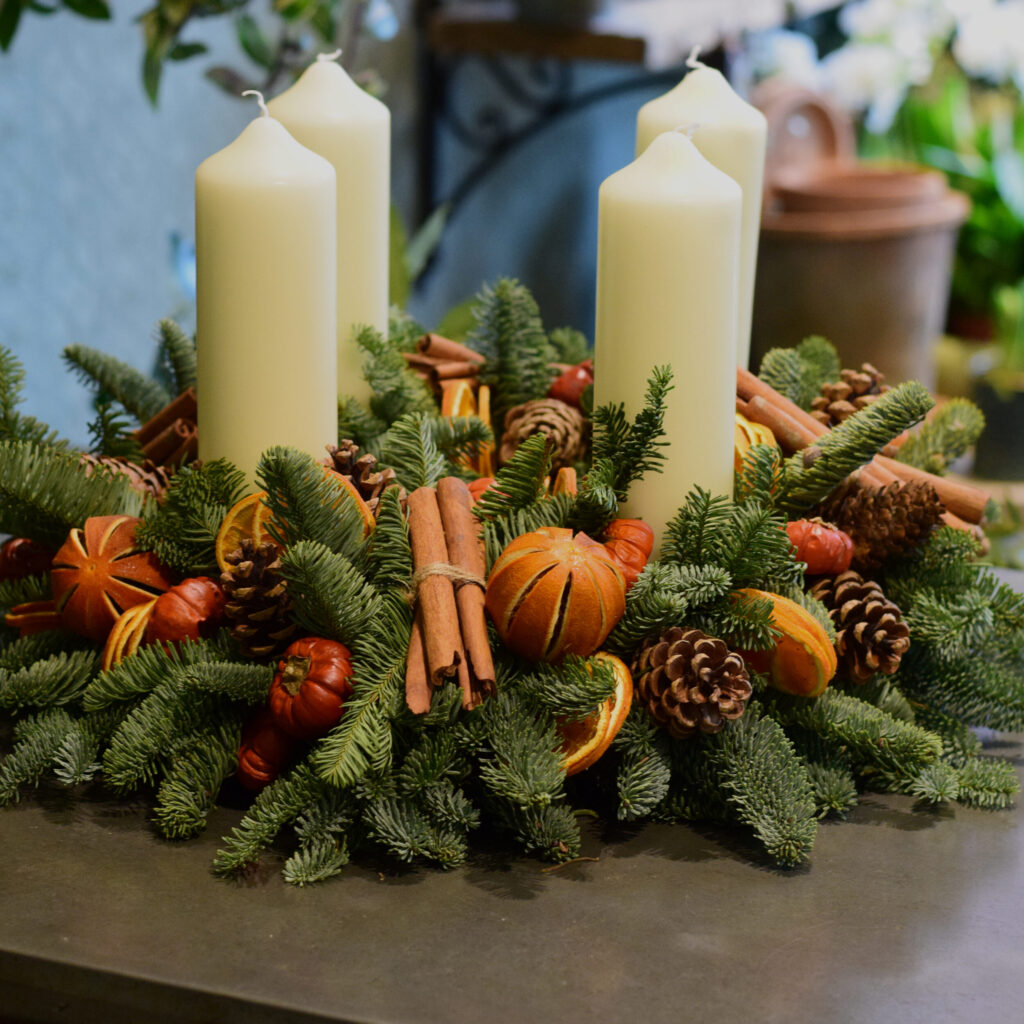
844,186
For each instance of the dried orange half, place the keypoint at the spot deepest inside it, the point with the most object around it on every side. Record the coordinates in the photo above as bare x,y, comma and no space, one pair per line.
585,741
246,520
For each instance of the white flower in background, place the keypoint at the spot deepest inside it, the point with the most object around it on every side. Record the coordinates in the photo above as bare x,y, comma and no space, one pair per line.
790,54
868,76
989,42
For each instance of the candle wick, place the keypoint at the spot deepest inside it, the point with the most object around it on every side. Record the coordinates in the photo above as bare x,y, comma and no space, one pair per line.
687,129
691,61
328,56
259,100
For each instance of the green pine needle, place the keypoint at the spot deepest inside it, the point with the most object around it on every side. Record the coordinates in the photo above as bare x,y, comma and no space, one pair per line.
37,743
14,426
410,448
142,396
177,354
50,682
944,437
989,783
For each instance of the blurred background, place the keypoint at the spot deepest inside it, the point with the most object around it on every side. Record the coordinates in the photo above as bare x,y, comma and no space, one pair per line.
507,115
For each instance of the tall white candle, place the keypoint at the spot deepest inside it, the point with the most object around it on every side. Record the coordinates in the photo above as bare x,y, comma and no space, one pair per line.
265,279
732,135
667,279
329,114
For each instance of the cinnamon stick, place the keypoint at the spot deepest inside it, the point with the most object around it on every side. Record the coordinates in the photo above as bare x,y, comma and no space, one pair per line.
420,361
748,385
742,406
417,678
168,441
792,435
183,407
961,499
439,347
189,447
435,595
463,368
466,552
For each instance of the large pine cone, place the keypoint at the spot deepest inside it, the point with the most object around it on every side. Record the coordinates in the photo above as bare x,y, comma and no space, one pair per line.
258,604
884,522
871,635
564,424
145,477
855,390
690,682
362,472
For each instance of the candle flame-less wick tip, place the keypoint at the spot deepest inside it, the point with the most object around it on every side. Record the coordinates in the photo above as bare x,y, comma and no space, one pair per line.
692,61
687,129
334,55
259,100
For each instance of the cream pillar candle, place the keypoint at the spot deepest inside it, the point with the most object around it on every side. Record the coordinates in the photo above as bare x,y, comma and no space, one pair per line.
667,283
329,114
265,279
732,135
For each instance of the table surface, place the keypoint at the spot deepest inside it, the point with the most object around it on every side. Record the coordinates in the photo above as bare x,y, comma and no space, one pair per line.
903,915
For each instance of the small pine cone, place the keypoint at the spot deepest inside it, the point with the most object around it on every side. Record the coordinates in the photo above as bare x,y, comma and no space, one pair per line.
563,423
855,390
871,635
884,522
362,472
258,605
690,682
145,477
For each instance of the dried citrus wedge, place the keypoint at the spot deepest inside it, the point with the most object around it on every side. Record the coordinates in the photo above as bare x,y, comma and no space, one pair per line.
126,635
484,463
246,520
458,399
584,742
369,523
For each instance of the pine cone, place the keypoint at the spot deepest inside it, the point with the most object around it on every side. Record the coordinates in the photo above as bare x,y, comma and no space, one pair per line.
258,605
690,682
855,390
147,477
871,635
563,423
884,522
362,472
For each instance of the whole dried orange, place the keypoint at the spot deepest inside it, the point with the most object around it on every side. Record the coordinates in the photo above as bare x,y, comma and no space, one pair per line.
585,741
100,572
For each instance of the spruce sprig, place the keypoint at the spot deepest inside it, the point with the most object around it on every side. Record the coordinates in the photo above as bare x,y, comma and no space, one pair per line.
45,493
15,426
799,373
110,432
36,743
574,689
139,393
49,682
177,354
410,448
943,437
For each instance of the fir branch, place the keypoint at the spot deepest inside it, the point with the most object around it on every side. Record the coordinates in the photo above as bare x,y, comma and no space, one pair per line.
237,681
110,433
434,760
761,475
451,807
362,740
574,689
569,345
623,452
14,426
389,556
744,625
882,746
142,396
799,373
850,445
189,789
182,529
989,783
359,424
459,437
960,743
974,690
26,650
835,791
510,336
500,532
406,833
177,354
274,808
45,493
77,759
24,590
645,771
783,369
519,483
409,447
331,596
395,390
316,862
50,682
767,785
943,437
145,670
37,742
307,503
936,783
549,830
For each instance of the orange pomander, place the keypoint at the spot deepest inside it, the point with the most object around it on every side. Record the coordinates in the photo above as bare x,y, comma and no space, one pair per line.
551,593
100,573
630,543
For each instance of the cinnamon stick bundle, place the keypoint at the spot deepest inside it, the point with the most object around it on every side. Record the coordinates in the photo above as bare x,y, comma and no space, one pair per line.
172,443
466,552
435,595
446,350
961,499
417,675
183,407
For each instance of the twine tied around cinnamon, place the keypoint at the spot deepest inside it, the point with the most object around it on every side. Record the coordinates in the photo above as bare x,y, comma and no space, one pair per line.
459,577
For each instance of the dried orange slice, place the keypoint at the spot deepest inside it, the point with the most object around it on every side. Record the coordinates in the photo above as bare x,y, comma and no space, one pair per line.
458,399
584,742
126,634
484,464
565,481
369,523
246,520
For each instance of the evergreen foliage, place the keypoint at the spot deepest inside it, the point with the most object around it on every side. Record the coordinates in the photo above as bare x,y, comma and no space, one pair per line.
45,493
569,345
19,591
799,373
56,680
943,437
182,530
410,448
176,353
37,741
140,395
110,433
15,426
510,336
645,766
